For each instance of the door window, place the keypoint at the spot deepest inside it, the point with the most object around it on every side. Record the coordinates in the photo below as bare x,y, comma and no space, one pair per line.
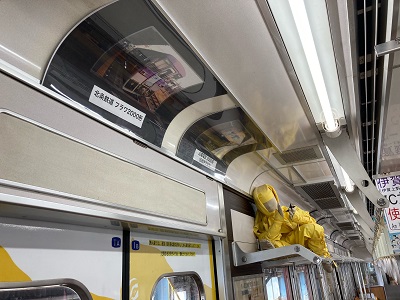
179,287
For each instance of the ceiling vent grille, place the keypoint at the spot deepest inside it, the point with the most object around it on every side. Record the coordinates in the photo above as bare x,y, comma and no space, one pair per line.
345,226
319,191
329,203
324,194
298,155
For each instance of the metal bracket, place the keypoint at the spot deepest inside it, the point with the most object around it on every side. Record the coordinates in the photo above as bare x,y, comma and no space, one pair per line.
361,208
388,47
348,159
296,254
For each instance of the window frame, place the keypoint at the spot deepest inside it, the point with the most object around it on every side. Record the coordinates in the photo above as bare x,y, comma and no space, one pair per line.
194,275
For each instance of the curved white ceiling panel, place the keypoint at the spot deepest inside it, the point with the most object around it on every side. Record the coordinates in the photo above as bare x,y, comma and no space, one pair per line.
32,30
190,115
243,170
256,76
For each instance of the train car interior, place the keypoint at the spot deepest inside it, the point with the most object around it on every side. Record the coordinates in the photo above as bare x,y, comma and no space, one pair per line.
142,141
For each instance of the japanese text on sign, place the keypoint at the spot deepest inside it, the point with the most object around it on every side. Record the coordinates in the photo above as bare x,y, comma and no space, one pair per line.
205,160
177,253
174,244
116,106
390,188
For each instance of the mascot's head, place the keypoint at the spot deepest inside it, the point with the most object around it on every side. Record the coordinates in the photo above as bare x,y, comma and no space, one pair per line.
265,198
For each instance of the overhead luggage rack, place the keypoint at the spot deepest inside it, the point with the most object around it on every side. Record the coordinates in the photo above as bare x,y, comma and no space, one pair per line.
288,255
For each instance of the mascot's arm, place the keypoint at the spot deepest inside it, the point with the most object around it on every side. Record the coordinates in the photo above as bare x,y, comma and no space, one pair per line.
302,217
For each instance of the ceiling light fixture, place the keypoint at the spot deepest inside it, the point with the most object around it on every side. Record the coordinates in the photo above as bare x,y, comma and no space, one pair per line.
300,17
349,184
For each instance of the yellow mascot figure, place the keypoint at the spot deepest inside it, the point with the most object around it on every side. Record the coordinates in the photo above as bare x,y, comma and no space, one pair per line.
278,226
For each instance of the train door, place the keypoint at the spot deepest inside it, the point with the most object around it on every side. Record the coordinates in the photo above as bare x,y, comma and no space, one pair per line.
39,258
172,266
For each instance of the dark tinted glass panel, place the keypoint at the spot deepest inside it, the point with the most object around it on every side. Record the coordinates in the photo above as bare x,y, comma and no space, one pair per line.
129,66
214,142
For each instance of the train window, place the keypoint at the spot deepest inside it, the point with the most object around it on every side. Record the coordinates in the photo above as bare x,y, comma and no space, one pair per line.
304,283
38,293
278,286
183,286
53,289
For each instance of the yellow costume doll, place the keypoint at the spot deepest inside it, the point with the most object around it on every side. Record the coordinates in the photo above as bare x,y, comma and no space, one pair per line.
278,226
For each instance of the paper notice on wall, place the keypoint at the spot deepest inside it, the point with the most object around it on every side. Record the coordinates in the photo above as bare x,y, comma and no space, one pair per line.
390,188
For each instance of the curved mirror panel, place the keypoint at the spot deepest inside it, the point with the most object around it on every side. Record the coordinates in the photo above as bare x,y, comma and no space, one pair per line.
126,64
179,287
212,143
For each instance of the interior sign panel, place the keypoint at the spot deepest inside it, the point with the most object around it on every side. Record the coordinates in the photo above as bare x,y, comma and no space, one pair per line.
116,106
204,160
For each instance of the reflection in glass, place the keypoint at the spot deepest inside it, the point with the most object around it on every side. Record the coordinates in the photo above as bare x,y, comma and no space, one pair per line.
149,73
305,288
39,293
125,61
276,288
221,137
182,287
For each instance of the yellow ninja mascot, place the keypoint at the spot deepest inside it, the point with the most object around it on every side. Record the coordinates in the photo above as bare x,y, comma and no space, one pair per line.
278,226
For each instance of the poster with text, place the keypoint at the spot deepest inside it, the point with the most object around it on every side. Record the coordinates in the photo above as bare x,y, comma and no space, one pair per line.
390,188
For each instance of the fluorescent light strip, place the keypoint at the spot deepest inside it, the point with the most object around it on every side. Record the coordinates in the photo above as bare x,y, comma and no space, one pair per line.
303,28
349,184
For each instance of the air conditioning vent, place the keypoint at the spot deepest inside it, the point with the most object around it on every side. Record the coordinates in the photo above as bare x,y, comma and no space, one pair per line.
298,155
319,191
345,226
324,194
329,203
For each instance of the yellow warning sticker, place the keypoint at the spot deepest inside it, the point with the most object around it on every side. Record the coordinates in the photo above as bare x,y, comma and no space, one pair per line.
174,244
171,231
177,253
